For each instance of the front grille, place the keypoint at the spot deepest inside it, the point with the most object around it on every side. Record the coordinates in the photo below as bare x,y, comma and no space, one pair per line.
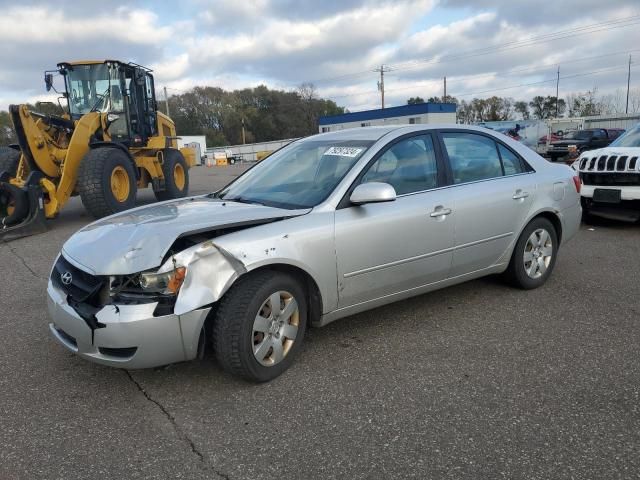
610,179
606,163
80,286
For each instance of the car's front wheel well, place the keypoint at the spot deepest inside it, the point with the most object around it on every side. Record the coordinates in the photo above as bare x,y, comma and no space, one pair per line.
314,296
310,286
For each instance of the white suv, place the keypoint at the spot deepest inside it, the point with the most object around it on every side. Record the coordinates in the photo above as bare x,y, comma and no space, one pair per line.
610,178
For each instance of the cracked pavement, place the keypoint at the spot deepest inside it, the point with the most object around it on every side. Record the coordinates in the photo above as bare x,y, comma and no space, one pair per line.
474,381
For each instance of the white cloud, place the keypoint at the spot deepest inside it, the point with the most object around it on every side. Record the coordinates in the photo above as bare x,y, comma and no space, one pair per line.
334,43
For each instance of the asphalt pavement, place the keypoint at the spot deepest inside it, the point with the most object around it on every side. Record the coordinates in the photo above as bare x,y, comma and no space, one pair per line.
474,381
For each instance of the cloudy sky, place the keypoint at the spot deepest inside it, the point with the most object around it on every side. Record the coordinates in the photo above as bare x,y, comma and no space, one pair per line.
484,47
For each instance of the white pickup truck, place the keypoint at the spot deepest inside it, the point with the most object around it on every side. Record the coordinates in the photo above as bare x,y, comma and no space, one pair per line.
610,178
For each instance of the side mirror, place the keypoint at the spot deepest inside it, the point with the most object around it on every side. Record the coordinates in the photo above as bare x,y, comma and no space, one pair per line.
372,192
48,81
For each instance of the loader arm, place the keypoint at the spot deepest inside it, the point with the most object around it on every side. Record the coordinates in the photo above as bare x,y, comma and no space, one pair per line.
43,154
85,128
33,141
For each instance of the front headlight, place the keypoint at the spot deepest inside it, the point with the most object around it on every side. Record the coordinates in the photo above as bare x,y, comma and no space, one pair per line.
167,283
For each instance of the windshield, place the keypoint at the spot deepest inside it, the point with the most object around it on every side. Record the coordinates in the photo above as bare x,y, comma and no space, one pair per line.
631,138
578,135
301,175
94,88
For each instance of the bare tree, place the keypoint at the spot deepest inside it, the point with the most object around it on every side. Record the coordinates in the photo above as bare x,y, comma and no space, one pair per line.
522,108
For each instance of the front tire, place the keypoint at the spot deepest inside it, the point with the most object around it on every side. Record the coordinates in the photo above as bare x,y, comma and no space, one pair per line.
176,176
534,255
260,325
107,182
14,204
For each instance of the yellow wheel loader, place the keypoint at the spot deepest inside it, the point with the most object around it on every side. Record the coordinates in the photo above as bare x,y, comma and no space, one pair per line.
111,141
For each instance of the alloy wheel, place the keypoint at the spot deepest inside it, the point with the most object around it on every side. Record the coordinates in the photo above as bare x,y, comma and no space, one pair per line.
275,328
538,252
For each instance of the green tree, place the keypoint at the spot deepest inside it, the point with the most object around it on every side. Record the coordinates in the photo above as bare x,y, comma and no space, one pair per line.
267,114
415,100
545,107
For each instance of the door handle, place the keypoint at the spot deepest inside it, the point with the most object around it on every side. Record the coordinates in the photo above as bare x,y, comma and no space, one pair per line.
520,195
440,211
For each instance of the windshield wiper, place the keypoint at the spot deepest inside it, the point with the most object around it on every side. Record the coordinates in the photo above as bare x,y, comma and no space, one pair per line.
241,199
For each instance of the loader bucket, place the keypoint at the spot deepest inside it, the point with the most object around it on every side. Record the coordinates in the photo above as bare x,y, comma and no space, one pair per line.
21,209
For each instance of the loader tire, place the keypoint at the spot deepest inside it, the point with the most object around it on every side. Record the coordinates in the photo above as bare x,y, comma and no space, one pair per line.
107,182
176,176
14,204
9,160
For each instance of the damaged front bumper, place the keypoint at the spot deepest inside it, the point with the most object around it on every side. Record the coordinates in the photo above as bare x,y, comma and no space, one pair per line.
129,335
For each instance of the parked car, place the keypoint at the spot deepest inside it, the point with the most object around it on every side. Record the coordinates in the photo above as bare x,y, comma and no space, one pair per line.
611,178
574,143
554,138
328,226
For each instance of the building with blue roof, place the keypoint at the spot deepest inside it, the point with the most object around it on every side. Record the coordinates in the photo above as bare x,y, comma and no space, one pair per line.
405,114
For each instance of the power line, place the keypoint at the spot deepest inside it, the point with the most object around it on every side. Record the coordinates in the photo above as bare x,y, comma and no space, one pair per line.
454,80
595,72
382,71
561,34
558,35
529,84
587,29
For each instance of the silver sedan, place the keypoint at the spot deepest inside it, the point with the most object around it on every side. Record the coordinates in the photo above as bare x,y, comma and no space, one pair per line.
329,226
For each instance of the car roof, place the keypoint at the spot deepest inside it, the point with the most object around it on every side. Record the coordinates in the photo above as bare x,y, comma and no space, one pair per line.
358,133
376,132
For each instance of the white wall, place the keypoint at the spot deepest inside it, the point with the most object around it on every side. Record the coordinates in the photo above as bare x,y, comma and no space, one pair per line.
423,118
201,139
248,152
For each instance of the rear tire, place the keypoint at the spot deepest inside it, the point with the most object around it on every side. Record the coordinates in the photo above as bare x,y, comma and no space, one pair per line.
247,327
534,255
176,176
107,182
9,160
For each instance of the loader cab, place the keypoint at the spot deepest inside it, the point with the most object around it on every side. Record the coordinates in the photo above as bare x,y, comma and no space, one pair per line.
124,91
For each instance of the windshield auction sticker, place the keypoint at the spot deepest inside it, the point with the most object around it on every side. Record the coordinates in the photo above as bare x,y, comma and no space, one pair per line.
344,151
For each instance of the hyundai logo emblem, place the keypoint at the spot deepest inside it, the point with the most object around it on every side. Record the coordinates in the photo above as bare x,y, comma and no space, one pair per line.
66,278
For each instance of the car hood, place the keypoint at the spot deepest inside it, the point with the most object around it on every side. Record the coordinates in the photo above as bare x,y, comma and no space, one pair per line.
629,152
617,151
138,239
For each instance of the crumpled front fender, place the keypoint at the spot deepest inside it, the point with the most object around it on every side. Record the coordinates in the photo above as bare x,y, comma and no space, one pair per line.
211,270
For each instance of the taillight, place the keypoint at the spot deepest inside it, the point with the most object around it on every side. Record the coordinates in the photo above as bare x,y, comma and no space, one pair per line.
577,183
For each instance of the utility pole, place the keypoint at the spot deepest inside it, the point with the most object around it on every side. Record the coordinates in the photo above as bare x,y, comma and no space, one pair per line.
557,89
244,139
166,101
626,110
444,99
382,71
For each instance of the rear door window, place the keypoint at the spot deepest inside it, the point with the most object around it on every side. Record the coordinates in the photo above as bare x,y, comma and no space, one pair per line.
475,157
472,157
510,161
